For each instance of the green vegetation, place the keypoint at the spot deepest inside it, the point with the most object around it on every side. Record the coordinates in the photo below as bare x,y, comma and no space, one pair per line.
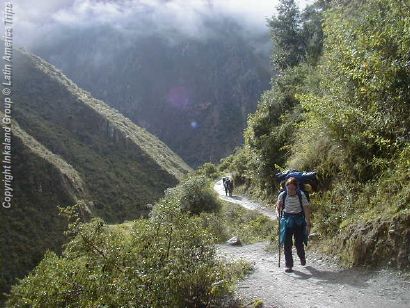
162,262
257,303
42,181
208,170
123,167
68,146
234,220
195,196
167,260
340,107
221,219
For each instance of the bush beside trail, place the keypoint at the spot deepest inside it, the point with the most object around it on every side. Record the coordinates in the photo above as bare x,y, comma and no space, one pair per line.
167,260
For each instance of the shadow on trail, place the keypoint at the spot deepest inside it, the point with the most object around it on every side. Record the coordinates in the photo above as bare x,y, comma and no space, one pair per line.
349,276
236,198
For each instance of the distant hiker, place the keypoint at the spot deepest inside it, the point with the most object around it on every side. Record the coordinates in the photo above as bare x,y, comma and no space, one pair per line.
230,187
225,182
294,212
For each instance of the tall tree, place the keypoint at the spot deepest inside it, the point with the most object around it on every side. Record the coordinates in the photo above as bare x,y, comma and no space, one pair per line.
312,30
286,35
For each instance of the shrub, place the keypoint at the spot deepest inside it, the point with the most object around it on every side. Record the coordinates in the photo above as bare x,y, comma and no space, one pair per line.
233,220
195,195
363,76
208,170
165,261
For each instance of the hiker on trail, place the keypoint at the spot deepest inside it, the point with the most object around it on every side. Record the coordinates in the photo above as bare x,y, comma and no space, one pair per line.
226,187
294,211
230,187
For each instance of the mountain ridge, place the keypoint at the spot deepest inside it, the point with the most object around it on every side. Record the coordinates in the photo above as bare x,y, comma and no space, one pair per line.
126,125
93,137
70,148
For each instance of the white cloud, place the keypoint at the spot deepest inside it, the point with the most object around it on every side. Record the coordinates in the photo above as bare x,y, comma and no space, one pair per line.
35,20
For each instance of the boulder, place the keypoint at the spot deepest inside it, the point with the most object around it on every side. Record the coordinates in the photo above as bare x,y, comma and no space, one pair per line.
234,241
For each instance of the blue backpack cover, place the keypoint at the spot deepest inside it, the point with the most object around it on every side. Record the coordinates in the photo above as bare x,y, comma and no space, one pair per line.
302,177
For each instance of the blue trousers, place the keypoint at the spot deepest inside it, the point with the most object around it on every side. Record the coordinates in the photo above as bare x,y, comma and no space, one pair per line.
293,232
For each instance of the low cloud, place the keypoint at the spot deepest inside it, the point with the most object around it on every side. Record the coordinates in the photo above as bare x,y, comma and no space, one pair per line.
34,22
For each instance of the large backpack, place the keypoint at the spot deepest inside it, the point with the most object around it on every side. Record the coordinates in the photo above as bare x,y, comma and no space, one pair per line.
302,177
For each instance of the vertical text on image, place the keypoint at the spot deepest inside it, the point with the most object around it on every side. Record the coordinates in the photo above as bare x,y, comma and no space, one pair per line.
6,122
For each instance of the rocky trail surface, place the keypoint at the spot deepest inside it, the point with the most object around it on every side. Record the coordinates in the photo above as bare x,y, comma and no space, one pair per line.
321,283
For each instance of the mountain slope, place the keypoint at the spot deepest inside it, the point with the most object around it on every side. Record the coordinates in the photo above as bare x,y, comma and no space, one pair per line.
123,166
67,147
42,181
190,92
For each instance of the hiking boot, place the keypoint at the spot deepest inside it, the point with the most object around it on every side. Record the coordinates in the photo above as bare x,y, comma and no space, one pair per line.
303,262
289,270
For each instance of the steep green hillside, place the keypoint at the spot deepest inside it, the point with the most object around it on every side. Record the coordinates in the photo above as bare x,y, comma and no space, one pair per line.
123,166
42,181
68,146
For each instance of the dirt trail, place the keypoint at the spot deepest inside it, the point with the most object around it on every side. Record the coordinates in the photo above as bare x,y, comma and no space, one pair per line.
321,283
243,201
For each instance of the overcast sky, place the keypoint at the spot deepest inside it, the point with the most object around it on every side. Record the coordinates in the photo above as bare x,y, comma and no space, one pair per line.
35,19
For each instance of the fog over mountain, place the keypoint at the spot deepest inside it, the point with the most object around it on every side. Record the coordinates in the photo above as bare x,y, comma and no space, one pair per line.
186,17
189,72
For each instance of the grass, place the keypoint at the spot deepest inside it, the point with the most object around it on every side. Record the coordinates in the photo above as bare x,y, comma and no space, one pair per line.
250,226
42,152
367,224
